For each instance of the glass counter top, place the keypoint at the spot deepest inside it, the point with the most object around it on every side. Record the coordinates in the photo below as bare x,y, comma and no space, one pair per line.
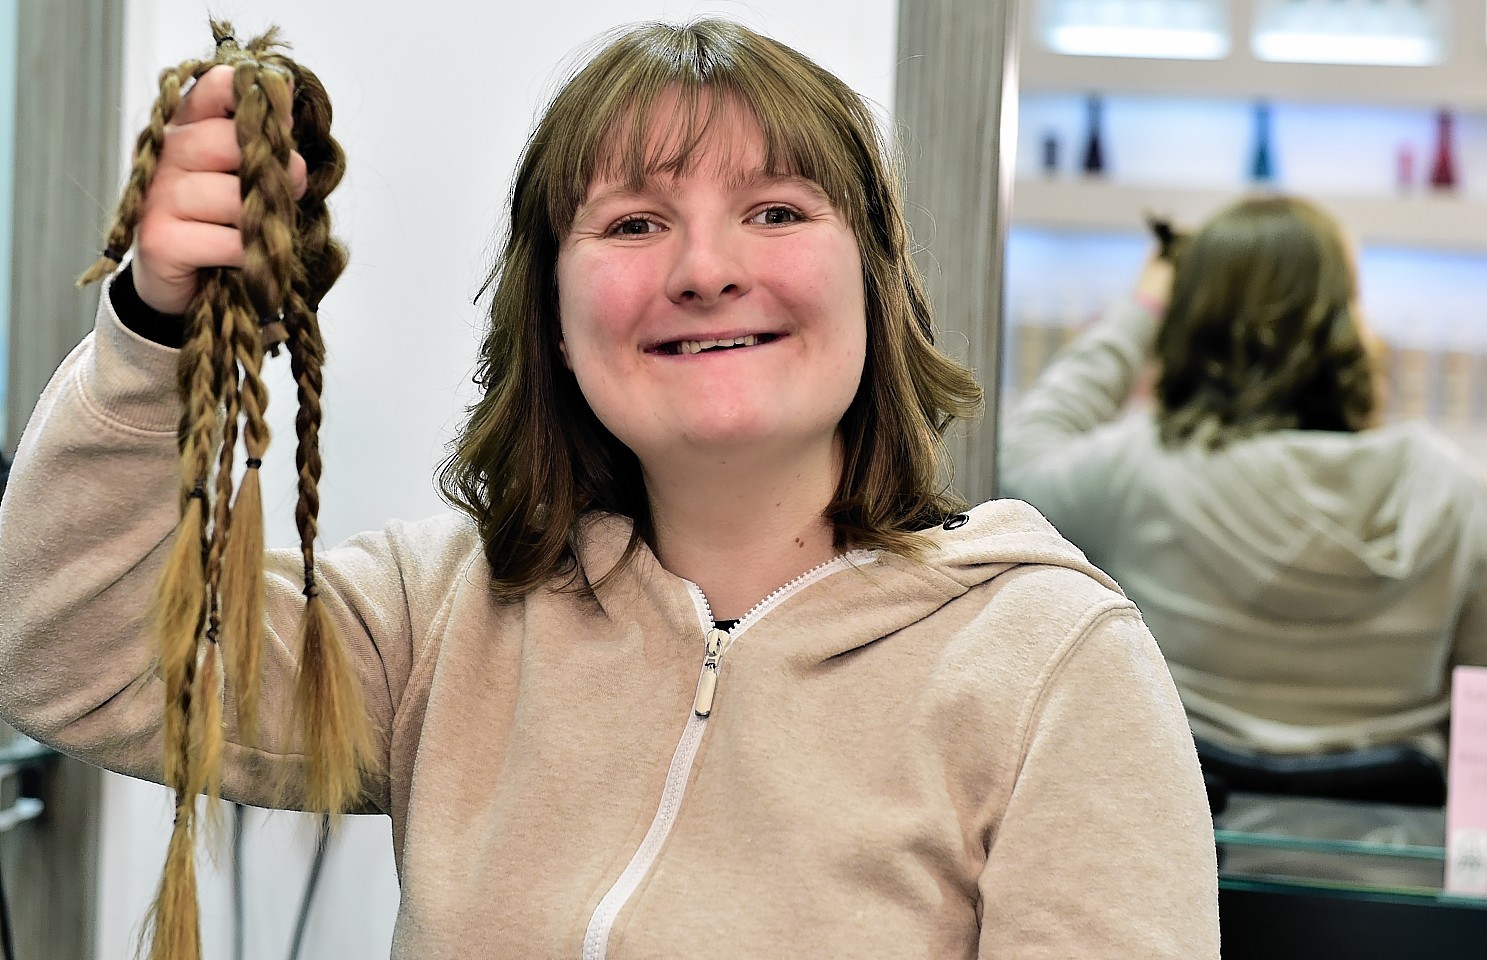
17,750
1369,850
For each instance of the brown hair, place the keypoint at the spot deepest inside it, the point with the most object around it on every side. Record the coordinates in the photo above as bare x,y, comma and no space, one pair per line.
1260,334
210,592
533,458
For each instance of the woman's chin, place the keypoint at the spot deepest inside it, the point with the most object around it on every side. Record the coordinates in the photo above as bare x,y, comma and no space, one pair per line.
733,441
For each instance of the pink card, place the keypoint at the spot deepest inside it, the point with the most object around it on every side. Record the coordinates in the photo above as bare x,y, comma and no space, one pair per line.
1466,791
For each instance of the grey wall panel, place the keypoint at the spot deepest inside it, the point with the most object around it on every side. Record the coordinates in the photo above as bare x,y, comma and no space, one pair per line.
955,101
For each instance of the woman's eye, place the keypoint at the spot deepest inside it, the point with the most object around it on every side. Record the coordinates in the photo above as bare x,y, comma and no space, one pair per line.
634,227
774,216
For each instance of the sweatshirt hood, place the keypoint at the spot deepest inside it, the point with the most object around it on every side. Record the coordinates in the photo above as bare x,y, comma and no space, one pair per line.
1309,525
889,592
973,547
966,551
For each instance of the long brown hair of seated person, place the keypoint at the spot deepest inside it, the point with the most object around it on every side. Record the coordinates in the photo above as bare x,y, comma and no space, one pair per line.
1262,332
211,590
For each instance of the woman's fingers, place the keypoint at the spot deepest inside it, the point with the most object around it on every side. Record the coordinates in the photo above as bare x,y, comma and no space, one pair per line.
297,174
211,146
203,197
169,252
191,245
194,205
209,97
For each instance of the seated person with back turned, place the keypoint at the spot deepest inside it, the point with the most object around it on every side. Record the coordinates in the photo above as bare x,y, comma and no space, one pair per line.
1311,576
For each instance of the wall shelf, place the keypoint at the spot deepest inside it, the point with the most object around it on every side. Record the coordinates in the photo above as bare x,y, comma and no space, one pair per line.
1460,82
1420,220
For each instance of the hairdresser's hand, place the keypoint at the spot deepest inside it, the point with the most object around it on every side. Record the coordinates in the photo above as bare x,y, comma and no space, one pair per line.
1154,286
194,205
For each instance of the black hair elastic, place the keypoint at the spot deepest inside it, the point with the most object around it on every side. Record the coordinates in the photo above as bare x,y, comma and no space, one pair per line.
198,492
113,253
227,39
311,590
254,463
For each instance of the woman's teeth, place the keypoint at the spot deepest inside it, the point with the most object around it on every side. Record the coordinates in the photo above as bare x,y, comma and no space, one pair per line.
697,346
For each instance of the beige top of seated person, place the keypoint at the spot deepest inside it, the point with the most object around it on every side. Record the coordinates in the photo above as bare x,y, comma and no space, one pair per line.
1311,589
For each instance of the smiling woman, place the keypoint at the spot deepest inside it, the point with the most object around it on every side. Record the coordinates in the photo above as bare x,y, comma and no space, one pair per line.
644,178
710,657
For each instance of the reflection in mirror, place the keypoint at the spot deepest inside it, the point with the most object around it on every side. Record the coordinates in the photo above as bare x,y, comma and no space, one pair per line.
1280,457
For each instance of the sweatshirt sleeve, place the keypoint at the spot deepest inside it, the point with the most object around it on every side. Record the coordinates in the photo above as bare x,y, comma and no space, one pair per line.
85,527
1105,848
1051,455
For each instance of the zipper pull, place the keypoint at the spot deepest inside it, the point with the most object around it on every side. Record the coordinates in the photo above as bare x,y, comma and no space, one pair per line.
707,681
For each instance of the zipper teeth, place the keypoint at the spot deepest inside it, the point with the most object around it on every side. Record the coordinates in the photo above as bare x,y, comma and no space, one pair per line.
854,558
596,938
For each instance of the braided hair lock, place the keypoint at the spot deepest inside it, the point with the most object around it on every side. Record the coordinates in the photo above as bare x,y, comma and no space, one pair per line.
210,594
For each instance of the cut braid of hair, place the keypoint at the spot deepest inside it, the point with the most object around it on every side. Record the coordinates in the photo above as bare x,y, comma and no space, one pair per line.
328,702
264,118
206,696
181,605
210,589
120,234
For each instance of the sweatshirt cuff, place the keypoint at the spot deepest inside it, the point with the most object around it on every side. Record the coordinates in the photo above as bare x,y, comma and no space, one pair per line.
130,379
166,329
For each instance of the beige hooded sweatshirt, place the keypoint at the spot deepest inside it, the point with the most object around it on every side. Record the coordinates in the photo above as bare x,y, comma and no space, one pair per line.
979,755
1311,589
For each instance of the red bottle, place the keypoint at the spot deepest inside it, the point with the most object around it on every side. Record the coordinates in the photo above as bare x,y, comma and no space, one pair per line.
1404,168
1443,170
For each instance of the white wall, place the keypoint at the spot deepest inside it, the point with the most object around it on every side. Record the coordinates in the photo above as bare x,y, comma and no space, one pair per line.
433,101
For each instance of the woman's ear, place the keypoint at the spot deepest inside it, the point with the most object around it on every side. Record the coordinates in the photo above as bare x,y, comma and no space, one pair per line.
563,349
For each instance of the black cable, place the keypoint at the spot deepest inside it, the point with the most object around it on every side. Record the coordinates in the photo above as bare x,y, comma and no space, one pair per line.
239,812
7,943
322,840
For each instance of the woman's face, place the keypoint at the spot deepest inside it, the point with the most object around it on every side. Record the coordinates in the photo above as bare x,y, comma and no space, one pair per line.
720,312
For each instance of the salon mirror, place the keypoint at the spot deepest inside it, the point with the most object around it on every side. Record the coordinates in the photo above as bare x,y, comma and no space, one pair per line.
1130,111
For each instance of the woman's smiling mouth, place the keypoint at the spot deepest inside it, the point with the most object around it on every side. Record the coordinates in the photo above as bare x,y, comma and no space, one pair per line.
688,347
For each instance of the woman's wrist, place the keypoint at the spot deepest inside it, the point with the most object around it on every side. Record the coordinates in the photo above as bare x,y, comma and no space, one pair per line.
166,329
1150,303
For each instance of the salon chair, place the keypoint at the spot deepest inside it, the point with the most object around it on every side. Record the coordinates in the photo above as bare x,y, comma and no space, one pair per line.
1395,774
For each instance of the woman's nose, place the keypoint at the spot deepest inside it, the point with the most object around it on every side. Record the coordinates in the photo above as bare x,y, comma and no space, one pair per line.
709,267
